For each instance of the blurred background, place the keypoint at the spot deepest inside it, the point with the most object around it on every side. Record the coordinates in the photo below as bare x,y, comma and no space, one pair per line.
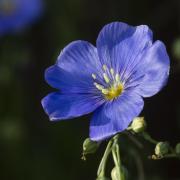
31,147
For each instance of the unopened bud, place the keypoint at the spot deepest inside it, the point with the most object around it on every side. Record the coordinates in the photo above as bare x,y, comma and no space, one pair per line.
90,147
117,173
161,148
177,148
138,125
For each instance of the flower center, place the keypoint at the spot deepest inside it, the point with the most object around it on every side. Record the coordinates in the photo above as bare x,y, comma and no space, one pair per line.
112,86
6,7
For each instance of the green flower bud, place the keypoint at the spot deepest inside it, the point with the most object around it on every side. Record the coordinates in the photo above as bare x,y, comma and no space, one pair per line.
161,148
90,147
177,148
116,175
138,125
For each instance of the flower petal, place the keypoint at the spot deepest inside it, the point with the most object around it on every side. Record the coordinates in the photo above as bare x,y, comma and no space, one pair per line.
79,57
67,82
115,116
63,106
153,71
74,68
119,44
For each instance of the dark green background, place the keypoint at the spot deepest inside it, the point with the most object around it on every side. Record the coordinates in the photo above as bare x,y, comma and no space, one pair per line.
31,147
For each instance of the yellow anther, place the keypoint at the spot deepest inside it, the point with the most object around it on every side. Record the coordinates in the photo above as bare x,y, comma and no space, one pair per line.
106,78
105,91
93,76
98,86
117,78
112,71
113,87
104,67
114,92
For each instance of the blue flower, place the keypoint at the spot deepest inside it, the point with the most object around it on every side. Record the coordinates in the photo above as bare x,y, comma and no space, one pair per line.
110,79
17,14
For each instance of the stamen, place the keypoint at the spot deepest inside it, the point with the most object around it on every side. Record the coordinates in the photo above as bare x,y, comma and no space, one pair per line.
93,76
105,91
112,71
104,67
117,78
106,77
114,92
98,86
113,87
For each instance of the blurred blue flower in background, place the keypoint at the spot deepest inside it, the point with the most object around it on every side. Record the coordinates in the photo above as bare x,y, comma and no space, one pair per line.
15,15
110,80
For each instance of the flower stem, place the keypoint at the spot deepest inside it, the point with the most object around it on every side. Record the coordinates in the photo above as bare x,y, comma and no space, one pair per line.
171,156
115,149
102,166
116,157
147,137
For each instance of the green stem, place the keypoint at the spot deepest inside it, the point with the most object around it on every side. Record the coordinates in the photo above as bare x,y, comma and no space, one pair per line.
115,148
171,156
114,154
149,138
118,153
102,166
116,157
